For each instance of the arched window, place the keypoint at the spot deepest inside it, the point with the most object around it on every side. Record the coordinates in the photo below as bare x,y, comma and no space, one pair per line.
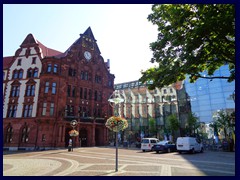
25,132
29,73
15,74
81,93
49,68
54,85
82,75
12,110
55,68
35,73
86,76
9,134
46,87
95,96
20,75
27,110
15,91
30,90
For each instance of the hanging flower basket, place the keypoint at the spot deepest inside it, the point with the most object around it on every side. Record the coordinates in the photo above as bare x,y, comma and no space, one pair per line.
116,123
73,133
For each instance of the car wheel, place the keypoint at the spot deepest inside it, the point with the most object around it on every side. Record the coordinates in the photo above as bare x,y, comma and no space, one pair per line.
180,152
157,151
143,150
168,150
193,151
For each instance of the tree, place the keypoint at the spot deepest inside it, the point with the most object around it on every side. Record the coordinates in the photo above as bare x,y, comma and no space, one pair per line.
192,38
223,121
192,123
152,126
172,124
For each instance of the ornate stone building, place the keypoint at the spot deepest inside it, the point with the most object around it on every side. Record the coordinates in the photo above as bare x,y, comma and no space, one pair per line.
147,110
44,90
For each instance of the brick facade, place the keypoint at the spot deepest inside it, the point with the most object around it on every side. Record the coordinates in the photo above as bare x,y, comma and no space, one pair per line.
44,90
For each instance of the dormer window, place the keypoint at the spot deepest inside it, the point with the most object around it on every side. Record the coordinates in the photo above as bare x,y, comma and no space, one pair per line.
34,60
28,52
19,62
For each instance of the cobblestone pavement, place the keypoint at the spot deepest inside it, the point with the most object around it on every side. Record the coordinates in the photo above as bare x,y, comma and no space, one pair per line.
101,161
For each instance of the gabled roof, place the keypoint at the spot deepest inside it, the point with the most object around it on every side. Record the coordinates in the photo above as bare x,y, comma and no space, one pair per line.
31,41
28,41
89,33
48,51
7,61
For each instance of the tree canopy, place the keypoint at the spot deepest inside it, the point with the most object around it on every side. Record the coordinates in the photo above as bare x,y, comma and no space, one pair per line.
222,121
192,38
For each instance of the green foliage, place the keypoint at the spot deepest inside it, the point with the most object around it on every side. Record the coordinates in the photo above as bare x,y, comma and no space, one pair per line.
192,123
172,123
222,121
192,38
152,126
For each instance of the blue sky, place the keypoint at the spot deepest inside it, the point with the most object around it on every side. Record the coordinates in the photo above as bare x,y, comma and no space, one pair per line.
122,31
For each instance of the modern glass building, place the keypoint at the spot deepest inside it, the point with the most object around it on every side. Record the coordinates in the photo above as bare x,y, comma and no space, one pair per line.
208,96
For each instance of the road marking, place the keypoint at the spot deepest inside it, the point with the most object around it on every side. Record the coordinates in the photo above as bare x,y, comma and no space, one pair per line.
166,170
72,168
167,158
28,167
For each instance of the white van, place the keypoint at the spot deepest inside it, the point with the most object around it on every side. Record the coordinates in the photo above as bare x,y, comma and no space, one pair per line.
189,144
147,144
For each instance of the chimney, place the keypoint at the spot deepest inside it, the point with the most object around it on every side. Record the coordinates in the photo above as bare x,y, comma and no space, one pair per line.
108,64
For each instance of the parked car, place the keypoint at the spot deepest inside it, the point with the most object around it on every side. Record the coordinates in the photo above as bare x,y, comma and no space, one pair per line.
189,144
148,143
165,146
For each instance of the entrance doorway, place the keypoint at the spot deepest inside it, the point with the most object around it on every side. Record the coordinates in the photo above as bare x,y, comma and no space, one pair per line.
83,137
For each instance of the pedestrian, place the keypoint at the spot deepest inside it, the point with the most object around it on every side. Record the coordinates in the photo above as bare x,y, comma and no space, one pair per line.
70,146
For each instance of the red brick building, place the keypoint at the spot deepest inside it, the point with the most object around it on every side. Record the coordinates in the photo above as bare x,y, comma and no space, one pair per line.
44,90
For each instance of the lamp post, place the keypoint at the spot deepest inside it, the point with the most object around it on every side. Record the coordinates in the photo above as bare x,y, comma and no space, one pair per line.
74,123
147,121
116,99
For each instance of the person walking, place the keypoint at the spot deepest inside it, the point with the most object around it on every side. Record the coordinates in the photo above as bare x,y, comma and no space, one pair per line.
70,146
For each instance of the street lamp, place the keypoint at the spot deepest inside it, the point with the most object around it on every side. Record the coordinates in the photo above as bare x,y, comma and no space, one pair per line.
116,99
